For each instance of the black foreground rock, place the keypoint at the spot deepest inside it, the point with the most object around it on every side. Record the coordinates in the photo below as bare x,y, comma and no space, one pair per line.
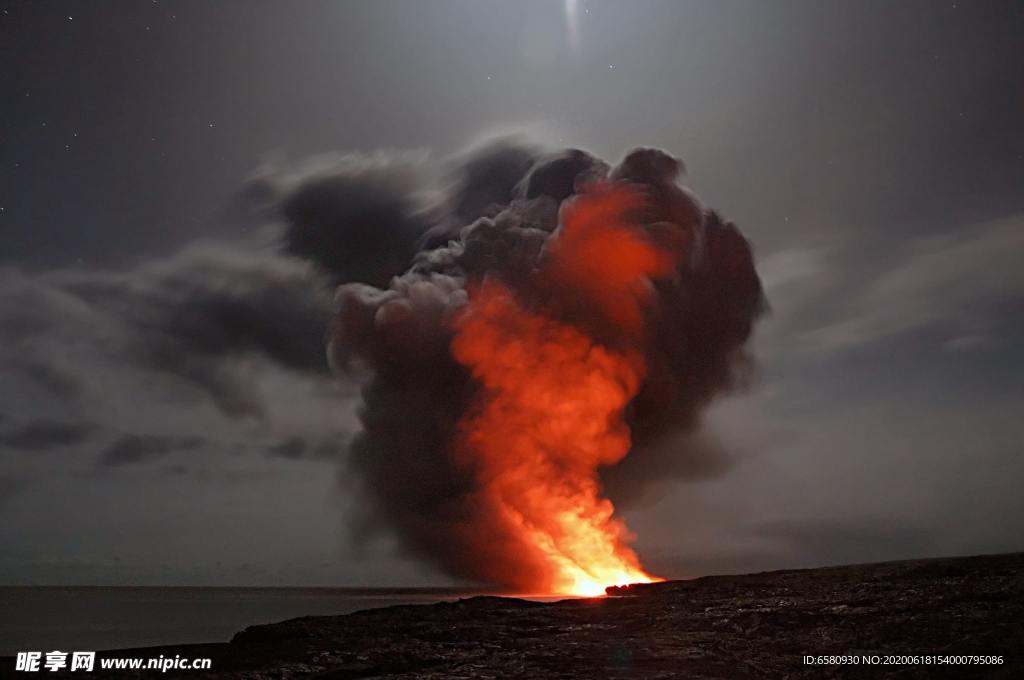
753,626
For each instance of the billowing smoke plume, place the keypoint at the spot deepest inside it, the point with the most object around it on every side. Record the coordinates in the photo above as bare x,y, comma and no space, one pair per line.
548,290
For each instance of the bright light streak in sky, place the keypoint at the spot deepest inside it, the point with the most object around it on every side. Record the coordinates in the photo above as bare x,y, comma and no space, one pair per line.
572,21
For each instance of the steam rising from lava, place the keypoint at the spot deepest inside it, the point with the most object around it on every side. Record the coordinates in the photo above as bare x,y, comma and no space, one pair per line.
550,411
552,343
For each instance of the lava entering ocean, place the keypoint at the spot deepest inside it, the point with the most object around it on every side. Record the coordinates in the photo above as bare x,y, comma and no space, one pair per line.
553,397
541,346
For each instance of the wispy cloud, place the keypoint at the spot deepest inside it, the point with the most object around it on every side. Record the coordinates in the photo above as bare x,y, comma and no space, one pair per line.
955,285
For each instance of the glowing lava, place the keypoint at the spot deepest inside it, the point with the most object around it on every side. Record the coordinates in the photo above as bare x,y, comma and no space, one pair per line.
550,410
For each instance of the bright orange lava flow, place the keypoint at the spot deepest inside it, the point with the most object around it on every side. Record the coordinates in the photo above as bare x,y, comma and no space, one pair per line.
551,410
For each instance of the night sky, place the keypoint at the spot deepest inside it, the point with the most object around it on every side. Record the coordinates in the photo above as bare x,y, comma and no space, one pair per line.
166,416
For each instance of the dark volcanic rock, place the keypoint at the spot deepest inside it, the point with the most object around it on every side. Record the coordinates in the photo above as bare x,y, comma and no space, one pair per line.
753,626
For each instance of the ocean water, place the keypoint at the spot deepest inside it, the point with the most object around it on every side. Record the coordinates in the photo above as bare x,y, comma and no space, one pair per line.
98,618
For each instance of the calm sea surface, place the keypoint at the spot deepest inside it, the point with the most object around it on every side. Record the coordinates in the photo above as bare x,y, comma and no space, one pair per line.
87,619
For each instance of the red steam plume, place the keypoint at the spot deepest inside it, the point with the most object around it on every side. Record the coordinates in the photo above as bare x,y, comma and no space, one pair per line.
551,409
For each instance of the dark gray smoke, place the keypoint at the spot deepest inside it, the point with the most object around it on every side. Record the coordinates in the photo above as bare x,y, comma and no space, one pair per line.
500,211
357,217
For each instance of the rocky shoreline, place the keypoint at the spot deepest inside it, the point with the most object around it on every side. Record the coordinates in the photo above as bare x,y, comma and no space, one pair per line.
750,626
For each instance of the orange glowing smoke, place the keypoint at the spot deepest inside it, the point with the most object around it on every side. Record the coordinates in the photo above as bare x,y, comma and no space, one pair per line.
552,400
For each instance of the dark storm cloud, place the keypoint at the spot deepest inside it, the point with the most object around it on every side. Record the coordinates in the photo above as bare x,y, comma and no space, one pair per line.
43,435
221,342
485,179
481,181
184,317
280,318
402,461
303,448
356,217
131,449
559,175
